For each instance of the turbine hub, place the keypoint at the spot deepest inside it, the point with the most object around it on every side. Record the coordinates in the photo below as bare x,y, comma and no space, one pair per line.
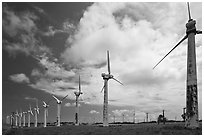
191,27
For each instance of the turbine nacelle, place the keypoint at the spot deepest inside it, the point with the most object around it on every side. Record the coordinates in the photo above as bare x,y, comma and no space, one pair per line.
78,93
45,105
106,76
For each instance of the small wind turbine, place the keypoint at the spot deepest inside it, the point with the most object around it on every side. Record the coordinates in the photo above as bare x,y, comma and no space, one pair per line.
36,110
106,77
59,102
29,112
77,94
7,119
45,105
191,88
24,114
16,116
20,116
134,116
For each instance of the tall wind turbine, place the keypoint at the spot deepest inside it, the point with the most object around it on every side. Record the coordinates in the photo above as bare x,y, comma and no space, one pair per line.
24,114
191,87
45,105
36,110
134,116
106,77
59,102
20,117
29,112
77,94
16,116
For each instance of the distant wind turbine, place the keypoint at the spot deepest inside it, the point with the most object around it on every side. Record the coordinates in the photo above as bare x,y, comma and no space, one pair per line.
59,102
24,115
16,120
36,110
191,87
106,77
29,112
77,94
20,117
45,105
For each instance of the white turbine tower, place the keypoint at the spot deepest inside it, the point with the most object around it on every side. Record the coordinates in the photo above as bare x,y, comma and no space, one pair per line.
24,114
16,116
29,112
77,94
45,105
106,77
191,83
59,102
36,110
20,117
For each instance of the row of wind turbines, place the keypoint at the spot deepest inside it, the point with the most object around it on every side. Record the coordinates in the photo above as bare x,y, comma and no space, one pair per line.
191,90
17,117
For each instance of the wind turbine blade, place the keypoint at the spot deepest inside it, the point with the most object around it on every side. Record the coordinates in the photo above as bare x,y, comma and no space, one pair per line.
79,84
44,103
56,98
64,97
189,12
103,86
117,81
108,58
171,50
198,32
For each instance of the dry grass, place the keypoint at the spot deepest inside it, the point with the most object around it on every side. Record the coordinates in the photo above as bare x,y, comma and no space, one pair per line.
136,129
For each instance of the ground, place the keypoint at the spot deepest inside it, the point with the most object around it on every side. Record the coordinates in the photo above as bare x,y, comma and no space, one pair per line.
136,129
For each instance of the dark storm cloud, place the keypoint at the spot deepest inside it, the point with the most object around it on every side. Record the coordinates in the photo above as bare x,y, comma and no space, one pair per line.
19,32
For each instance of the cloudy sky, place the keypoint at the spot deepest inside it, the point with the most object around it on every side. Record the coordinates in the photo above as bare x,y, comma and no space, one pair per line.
46,46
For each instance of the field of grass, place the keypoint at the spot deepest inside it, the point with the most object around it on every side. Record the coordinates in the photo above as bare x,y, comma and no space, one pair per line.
133,129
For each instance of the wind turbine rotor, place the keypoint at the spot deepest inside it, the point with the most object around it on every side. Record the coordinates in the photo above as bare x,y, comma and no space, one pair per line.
58,101
117,80
186,36
189,12
64,97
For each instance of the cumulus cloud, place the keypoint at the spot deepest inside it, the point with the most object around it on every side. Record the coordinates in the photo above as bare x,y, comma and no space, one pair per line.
30,98
94,112
138,35
19,78
71,105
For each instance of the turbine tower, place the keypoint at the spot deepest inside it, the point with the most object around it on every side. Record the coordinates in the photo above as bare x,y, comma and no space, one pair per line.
45,105
7,119
16,118
59,102
191,84
77,94
20,116
36,110
106,77
24,114
29,112
134,116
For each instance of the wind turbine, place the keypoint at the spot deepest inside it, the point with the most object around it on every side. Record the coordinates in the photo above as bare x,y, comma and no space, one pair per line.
20,116
29,112
36,110
24,114
59,102
45,105
16,116
191,87
134,116
7,119
77,94
106,77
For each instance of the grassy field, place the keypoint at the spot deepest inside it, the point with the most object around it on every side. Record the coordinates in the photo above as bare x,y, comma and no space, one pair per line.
136,129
